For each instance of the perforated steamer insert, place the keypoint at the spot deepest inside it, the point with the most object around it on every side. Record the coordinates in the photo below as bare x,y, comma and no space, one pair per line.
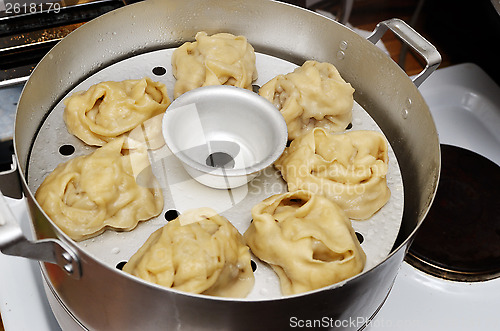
54,145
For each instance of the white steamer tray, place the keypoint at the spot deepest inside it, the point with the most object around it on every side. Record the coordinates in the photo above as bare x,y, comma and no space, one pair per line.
181,192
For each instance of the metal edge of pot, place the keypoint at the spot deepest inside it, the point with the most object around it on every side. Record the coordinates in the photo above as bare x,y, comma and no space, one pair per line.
109,299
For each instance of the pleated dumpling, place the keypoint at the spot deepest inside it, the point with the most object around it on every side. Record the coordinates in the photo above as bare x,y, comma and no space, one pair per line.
349,169
198,252
220,59
108,110
306,239
90,193
313,95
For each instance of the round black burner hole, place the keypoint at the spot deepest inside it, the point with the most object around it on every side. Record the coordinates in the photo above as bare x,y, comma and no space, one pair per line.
349,126
121,264
360,237
220,160
254,265
255,88
171,214
458,239
66,150
159,71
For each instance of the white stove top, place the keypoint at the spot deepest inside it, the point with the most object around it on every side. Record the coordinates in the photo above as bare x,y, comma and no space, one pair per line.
465,104
421,302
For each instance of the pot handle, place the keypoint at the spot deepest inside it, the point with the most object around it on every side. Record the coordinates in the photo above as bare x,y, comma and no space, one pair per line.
13,242
414,40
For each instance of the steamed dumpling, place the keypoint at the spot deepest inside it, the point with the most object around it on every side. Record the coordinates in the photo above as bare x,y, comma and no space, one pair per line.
109,110
90,193
306,239
220,59
313,95
349,169
198,252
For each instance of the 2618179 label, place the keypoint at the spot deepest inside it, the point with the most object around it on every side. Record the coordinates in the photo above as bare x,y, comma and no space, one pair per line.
18,8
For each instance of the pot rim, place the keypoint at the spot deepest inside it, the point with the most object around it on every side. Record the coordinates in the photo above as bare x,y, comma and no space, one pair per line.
64,237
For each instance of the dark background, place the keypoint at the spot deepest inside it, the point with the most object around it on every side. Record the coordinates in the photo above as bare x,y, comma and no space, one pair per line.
462,31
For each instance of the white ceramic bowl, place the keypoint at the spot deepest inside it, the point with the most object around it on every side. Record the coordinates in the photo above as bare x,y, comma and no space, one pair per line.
224,135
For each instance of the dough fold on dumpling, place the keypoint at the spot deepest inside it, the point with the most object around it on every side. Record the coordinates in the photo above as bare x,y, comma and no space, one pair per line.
313,95
108,110
90,193
349,169
198,252
306,239
220,59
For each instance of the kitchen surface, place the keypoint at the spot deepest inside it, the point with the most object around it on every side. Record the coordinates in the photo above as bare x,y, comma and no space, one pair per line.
464,93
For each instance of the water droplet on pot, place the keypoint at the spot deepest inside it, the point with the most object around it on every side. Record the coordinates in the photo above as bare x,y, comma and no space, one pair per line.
404,113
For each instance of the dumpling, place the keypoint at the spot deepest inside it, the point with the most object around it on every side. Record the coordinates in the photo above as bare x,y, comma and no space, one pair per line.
147,135
220,59
90,193
313,95
349,169
109,110
198,252
306,239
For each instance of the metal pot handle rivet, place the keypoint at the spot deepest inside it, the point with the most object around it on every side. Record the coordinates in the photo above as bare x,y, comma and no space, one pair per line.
13,242
414,40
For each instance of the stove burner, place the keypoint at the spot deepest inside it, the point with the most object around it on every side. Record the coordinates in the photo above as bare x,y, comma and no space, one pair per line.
460,237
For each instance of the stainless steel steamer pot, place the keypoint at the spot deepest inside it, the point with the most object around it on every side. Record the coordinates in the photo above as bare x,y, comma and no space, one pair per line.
103,298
